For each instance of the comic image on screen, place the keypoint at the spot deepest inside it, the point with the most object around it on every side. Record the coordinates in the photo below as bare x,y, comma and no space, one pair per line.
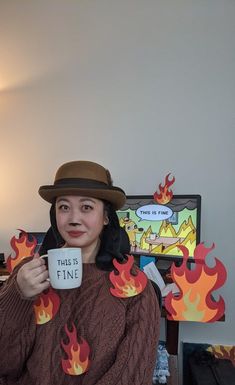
157,230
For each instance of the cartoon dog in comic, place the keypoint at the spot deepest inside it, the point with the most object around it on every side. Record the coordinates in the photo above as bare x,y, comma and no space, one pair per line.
132,229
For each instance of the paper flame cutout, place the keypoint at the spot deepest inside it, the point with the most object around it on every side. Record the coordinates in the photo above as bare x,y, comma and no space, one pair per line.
223,352
195,302
78,354
126,284
165,194
23,248
46,306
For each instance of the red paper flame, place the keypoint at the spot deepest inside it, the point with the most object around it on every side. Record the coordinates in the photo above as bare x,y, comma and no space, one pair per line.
78,354
23,248
126,284
195,302
165,194
46,306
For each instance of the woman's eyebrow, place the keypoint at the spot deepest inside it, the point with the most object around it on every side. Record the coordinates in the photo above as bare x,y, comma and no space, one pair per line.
62,199
87,199
81,200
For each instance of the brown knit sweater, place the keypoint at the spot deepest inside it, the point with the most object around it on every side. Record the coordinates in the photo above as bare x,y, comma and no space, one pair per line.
121,335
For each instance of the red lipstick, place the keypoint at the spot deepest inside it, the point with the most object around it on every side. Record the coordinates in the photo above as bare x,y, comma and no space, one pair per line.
75,234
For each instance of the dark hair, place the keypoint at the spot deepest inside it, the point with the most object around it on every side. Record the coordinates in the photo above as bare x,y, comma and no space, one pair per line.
110,246
114,240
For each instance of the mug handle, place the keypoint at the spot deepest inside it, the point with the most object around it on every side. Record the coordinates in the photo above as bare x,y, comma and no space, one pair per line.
45,256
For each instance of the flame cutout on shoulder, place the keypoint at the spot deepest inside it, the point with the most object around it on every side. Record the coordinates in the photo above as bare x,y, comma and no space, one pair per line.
125,283
46,306
78,354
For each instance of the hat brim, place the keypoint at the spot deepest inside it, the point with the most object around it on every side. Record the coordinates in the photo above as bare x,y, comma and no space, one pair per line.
114,195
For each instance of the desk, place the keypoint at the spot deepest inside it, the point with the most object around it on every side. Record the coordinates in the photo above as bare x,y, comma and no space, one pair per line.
3,273
164,241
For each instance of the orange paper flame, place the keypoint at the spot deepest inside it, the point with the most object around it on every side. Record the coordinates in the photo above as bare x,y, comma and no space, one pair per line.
23,248
46,306
165,194
195,302
223,352
125,284
78,354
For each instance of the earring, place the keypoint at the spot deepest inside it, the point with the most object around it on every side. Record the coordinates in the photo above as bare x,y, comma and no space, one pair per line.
106,221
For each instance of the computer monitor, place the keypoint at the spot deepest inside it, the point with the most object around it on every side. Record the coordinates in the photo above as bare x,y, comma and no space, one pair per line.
156,230
38,236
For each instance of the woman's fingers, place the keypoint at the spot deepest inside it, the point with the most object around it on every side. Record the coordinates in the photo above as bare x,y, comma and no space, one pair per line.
43,286
41,274
32,277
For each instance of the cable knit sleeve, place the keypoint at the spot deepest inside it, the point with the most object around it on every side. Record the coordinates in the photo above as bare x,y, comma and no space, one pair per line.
136,356
17,329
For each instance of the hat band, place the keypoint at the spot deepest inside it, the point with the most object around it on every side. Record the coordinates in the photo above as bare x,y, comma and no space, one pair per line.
80,182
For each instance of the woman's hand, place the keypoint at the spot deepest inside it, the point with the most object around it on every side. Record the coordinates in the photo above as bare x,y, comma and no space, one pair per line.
32,277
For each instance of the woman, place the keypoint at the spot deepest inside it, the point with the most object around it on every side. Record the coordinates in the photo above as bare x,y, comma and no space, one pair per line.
93,335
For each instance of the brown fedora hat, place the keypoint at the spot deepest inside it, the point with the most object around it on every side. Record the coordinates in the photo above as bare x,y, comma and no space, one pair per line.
86,179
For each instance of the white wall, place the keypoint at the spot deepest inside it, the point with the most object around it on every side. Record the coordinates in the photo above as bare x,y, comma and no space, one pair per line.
143,87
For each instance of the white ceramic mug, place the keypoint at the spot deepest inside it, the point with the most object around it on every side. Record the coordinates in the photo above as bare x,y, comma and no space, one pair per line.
64,267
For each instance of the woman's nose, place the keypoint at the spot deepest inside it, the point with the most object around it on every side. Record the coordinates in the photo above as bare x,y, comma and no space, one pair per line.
74,218
73,223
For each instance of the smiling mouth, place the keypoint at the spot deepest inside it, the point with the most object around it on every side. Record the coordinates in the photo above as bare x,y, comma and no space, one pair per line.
75,234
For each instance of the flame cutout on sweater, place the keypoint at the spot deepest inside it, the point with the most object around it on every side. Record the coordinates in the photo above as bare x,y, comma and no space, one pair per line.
46,306
125,283
77,361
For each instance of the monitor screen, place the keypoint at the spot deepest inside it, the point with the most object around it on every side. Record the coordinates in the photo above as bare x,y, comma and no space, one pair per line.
156,230
39,236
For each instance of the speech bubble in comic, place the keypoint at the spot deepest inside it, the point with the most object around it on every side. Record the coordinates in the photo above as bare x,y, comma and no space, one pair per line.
154,212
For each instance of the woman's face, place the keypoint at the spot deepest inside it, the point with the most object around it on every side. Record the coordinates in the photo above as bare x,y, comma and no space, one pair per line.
80,221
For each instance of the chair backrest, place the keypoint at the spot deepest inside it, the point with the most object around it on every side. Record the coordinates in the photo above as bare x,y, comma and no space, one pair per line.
49,242
158,293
